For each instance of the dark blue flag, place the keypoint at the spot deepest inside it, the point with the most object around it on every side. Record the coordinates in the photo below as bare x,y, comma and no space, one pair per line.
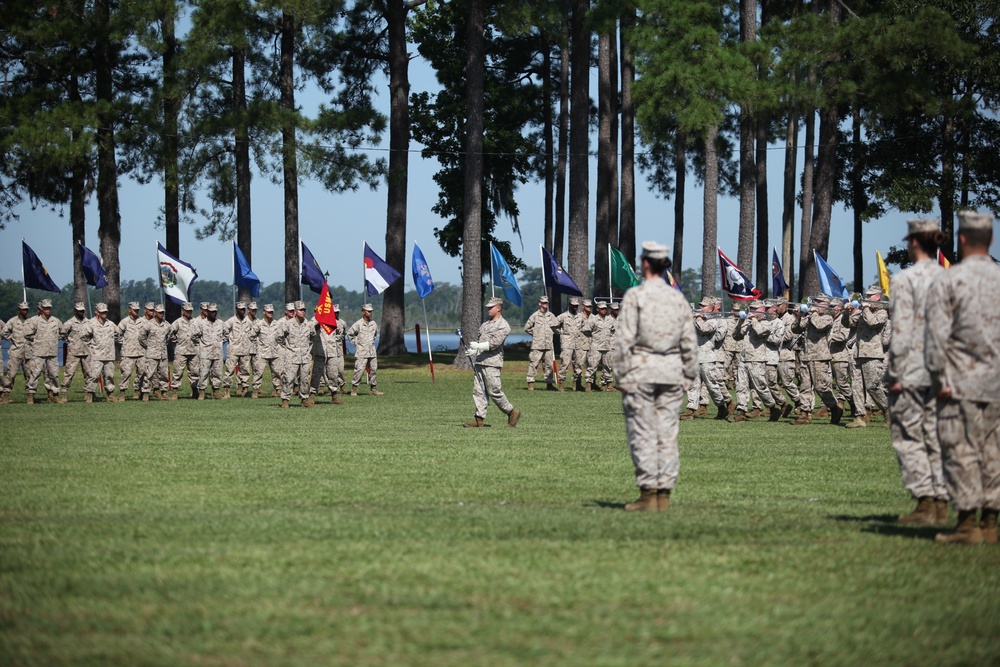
504,277
778,284
35,275
312,275
555,278
243,275
93,270
421,274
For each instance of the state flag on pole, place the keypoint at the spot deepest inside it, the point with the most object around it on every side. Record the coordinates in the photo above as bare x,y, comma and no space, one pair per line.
176,277
378,274
883,274
35,274
942,260
243,275
622,274
93,269
829,281
421,273
555,277
312,275
324,310
778,284
735,283
504,277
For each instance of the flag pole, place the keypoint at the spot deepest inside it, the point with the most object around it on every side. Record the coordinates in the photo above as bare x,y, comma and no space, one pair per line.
24,288
427,329
541,255
159,278
232,261
610,288
493,278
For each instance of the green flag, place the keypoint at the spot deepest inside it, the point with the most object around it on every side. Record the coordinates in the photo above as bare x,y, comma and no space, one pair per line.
622,275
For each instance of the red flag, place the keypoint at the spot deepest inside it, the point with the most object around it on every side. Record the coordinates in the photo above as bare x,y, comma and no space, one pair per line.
942,260
324,310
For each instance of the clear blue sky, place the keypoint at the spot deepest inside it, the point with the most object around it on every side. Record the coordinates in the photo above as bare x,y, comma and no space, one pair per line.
335,226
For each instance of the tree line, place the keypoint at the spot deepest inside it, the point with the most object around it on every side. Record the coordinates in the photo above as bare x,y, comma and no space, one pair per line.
894,101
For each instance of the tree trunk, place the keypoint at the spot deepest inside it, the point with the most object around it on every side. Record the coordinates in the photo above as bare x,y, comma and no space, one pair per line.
289,159
472,204
559,233
171,113
604,165
547,136
109,229
947,196
826,179
579,147
788,200
626,225
857,202
808,171
613,202
393,306
748,171
709,256
680,178
242,143
78,223
763,233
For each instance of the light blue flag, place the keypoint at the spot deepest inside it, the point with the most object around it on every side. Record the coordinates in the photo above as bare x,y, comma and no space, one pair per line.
504,277
829,281
421,274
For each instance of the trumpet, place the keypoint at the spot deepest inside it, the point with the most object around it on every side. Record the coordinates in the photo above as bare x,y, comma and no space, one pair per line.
855,303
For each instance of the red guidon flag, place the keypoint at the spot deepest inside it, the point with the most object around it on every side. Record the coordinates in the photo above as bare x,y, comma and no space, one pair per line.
324,310
734,282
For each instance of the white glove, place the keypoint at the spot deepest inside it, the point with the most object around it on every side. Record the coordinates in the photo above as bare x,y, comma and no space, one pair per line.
472,352
480,347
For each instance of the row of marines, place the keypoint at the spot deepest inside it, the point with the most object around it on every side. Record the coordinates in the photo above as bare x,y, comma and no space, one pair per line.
300,353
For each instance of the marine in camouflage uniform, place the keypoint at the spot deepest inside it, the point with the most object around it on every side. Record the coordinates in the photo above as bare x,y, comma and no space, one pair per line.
100,334
77,351
963,357
210,335
655,360
758,332
268,352
816,325
787,362
328,358
602,331
240,334
487,352
153,338
572,327
843,346
539,327
249,370
710,329
17,353
296,337
43,332
185,350
871,322
912,404
362,335
132,352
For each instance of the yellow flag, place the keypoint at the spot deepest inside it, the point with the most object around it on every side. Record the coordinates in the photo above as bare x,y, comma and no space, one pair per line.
883,275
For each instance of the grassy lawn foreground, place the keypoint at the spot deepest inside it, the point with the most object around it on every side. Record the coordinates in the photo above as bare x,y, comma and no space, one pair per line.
380,532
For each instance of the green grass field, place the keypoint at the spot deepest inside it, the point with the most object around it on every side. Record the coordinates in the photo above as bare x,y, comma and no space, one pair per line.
381,532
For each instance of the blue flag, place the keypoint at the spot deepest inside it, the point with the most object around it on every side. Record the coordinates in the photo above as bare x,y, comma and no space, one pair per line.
312,275
829,281
93,270
504,277
243,275
778,284
421,274
555,277
378,274
35,275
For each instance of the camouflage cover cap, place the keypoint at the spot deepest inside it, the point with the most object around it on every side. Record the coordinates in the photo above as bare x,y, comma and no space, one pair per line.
23,305
588,302
149,305
300,305
79,306
187,305
834,301
45,303
756,303
602,304
212,308
290,305
336,307
921,226
367,307
707,301
268,307
133,305
495,301
654,250
873,290
101,308
159,308
240,305
203,305
614,305
252,305
574,301
543,299
970,220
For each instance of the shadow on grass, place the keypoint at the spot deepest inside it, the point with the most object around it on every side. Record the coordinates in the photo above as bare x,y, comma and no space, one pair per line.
886,524
605,504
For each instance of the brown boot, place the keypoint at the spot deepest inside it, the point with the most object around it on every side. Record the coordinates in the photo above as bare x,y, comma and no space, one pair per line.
136,395
967,531
663,500
513,418
823,412
88,397
857,423
29,399
701,411
309,402
63,397
376,392
740,416
560,388
647,502
255,393
531,386
925,513
754,414
199,395
941,511
335,399
225,394
589,387
158,396
53,398
217,395
4,399
170,396
988,526
806,418
284,403
687,415
240,392
477,422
